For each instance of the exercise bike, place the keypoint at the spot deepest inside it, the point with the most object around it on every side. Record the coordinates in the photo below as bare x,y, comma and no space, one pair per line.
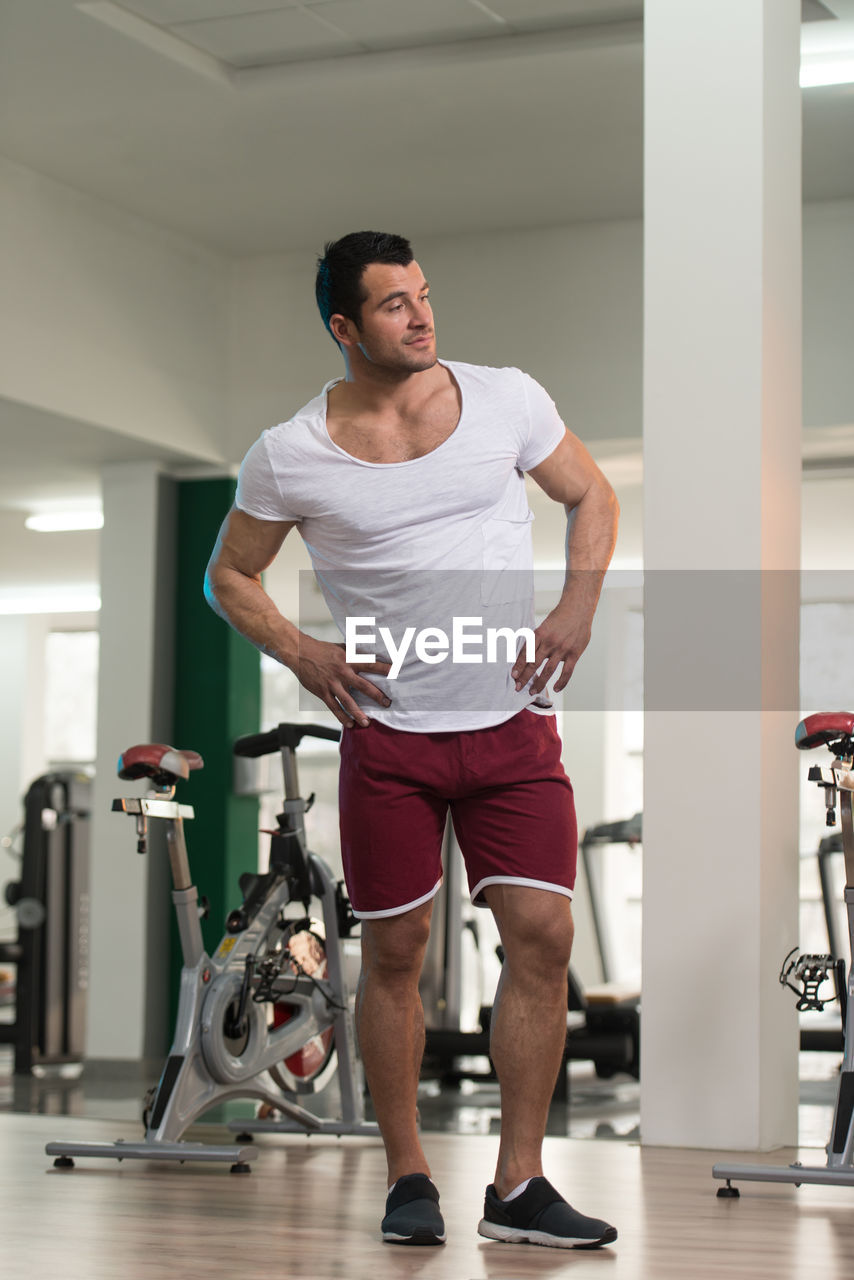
267,1016
836,731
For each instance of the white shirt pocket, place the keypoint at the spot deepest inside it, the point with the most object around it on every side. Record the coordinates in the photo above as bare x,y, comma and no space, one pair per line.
508,566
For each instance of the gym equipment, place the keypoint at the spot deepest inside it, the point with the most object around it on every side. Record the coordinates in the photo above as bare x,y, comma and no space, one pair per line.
827,847
829,1039
609,1033
836,731
629,831
267,1016
811,971
51,901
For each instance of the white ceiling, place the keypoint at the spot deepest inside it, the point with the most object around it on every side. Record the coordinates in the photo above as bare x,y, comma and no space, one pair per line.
148,118
234,121
50,461
250,33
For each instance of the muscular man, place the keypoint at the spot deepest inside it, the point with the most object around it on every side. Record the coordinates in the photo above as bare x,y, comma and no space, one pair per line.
405,479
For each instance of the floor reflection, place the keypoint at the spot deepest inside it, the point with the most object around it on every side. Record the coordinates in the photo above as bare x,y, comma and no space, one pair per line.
607,1110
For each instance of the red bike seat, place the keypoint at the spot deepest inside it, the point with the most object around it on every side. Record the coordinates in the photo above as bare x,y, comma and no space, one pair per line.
165,765
823,728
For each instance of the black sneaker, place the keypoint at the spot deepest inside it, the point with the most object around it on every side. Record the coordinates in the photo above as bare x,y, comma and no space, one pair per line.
412,1212
540,1215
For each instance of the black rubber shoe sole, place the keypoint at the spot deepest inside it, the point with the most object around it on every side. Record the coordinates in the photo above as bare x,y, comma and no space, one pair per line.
517,1235
422,1237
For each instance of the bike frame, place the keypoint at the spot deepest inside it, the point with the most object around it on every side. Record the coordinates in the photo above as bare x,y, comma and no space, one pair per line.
209,1062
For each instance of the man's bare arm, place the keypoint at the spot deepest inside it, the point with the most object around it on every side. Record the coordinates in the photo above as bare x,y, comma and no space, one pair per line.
244,548
570,476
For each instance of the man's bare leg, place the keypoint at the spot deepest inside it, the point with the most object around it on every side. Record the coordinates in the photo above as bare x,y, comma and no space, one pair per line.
528,1027
390,1025
527,1042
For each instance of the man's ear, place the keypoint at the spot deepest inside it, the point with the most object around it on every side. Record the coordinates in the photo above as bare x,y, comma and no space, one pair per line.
343,330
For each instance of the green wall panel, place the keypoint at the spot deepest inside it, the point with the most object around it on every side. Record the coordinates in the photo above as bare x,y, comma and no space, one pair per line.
217,699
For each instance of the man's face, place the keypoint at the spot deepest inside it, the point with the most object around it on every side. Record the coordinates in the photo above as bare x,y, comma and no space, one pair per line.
395,329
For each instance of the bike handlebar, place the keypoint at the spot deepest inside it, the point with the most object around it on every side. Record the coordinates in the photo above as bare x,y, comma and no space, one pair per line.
284,735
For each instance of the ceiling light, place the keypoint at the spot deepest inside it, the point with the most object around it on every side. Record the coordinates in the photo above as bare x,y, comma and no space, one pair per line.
834,69
64,521
46,600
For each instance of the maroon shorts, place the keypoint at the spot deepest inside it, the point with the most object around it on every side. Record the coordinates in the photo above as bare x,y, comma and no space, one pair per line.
510,801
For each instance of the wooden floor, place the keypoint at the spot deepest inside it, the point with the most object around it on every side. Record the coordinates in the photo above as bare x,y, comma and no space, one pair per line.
311,1208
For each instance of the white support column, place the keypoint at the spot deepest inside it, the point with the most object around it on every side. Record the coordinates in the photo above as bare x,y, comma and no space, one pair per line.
722,423
128,997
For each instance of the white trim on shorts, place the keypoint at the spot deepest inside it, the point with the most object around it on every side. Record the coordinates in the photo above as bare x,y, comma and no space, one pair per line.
529,884
398,911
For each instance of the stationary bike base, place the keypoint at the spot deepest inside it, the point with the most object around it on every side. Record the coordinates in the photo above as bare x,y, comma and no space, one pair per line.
311,1124
296,1119
172,1151
791,1173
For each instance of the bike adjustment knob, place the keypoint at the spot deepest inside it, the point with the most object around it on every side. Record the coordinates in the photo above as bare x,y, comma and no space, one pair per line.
236,921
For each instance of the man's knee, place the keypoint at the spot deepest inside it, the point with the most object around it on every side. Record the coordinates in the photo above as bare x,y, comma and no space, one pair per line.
536,928
395,945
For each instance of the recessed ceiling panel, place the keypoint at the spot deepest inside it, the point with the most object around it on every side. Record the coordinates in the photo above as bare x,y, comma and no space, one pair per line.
525,14
280,35
168,12
391,23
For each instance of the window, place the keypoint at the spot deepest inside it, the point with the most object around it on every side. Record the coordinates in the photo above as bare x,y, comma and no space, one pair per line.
71,697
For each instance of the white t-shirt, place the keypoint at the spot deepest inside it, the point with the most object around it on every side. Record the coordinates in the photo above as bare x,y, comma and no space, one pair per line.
420,543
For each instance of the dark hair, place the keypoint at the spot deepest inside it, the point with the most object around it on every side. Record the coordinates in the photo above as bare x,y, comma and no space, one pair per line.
338,286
